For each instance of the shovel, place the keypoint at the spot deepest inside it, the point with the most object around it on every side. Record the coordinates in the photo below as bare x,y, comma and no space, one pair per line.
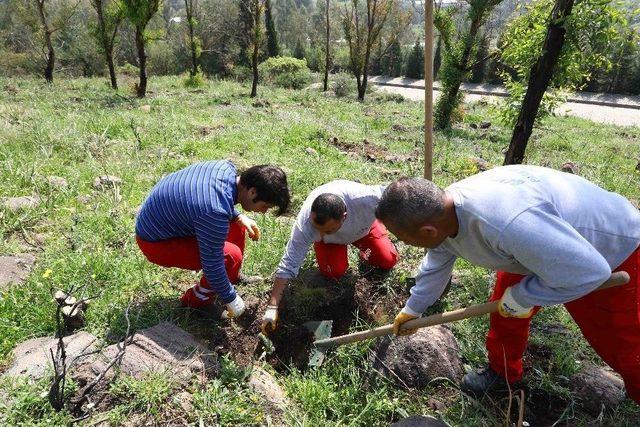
618,278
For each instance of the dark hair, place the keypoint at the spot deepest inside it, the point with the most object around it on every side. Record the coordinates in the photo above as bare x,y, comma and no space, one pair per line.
270,183
410,202
328,206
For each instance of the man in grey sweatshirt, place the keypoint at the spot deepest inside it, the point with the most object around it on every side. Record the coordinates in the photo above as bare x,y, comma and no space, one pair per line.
554,237
334,215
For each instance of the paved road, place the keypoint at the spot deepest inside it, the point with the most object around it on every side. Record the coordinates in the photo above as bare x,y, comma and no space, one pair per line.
600,108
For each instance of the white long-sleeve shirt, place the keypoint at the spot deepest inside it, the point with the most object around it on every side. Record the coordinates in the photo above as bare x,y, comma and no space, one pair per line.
564,233
361,201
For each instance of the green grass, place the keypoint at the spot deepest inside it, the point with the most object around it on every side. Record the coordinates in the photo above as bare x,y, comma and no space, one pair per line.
79,129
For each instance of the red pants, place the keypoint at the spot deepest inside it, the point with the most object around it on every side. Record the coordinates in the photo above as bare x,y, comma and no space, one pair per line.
183,252
375,248
609,320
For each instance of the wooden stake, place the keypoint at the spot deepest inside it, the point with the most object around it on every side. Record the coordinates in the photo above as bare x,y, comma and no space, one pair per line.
428,89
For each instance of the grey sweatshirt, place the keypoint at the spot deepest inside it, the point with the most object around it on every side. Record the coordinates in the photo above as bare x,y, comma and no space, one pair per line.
564,233
361,201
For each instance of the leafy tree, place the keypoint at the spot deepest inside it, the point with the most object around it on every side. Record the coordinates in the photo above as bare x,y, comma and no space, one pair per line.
299,51
110,15
552,45
392,63
139,13
195,44
460,46
363,24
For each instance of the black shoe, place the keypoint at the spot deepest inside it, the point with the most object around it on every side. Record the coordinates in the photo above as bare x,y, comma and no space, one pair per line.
483,381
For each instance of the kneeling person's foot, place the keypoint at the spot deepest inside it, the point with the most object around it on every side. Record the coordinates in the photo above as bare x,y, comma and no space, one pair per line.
198,297
483,381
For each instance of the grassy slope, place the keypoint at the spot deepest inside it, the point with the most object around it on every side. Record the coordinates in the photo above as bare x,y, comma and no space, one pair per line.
79,129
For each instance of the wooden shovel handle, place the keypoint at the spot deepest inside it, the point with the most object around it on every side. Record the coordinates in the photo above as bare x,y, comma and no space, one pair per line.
618,278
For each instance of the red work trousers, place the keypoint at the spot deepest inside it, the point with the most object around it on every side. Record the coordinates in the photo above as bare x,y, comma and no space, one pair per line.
375,248
183,252
609,320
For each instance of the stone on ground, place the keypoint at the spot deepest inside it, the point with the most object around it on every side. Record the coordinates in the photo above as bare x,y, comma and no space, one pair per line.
32,358
104,182
597,387
15,204
570,167
162,348
57,182
415,360
266,385
420,421
15,269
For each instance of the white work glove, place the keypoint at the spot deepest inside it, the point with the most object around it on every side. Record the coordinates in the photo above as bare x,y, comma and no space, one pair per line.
234,309
270,319
252,227
508,307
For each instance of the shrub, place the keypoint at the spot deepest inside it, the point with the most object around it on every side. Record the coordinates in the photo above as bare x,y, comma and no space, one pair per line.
285,72
128,70
195,81
343,85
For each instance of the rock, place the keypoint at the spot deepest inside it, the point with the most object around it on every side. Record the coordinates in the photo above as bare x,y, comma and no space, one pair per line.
485,125
145,108
260,103
266,385
597,387
334,140
84,199
57,182
104,182
15,269
32,358
570,167
162,348
474,125
311,152
480,163
436,405
420,421
184,400
15,204
399,128
415,360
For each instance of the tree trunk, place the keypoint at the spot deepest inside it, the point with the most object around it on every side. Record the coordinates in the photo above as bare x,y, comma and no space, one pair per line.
541,74
254,66
51,55
142,63
194,55
112,70
326,51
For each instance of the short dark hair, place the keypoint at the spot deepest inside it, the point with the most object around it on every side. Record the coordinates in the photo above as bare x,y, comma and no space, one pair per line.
410,202
328,206
271,185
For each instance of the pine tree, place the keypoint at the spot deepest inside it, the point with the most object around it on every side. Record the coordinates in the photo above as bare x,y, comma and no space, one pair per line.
273,47
299,51
415,62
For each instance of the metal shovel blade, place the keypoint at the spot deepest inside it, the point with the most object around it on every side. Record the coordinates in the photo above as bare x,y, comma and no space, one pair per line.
321,330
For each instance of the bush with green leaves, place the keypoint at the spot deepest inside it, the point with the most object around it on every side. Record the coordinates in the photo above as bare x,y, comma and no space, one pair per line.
593,27
343,85
285,72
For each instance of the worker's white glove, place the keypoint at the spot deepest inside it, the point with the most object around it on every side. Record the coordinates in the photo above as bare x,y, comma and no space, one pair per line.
234,309
508,307
270,319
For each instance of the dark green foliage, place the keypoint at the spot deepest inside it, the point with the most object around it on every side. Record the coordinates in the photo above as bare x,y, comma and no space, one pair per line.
391,63
299,52
415,62
285,72
273,47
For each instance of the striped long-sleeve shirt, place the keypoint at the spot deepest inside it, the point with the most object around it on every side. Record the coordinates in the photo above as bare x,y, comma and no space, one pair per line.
195,201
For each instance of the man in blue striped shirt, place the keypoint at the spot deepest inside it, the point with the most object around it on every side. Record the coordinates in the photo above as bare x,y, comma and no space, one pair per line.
189,221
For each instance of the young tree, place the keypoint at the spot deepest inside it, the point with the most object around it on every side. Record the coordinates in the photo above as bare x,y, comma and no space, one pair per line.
392,64
49,26
139,13
299,51
195,45
415,62
557,50
245,32
363,24
327,52
109,18
273,47
460,46
255,8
